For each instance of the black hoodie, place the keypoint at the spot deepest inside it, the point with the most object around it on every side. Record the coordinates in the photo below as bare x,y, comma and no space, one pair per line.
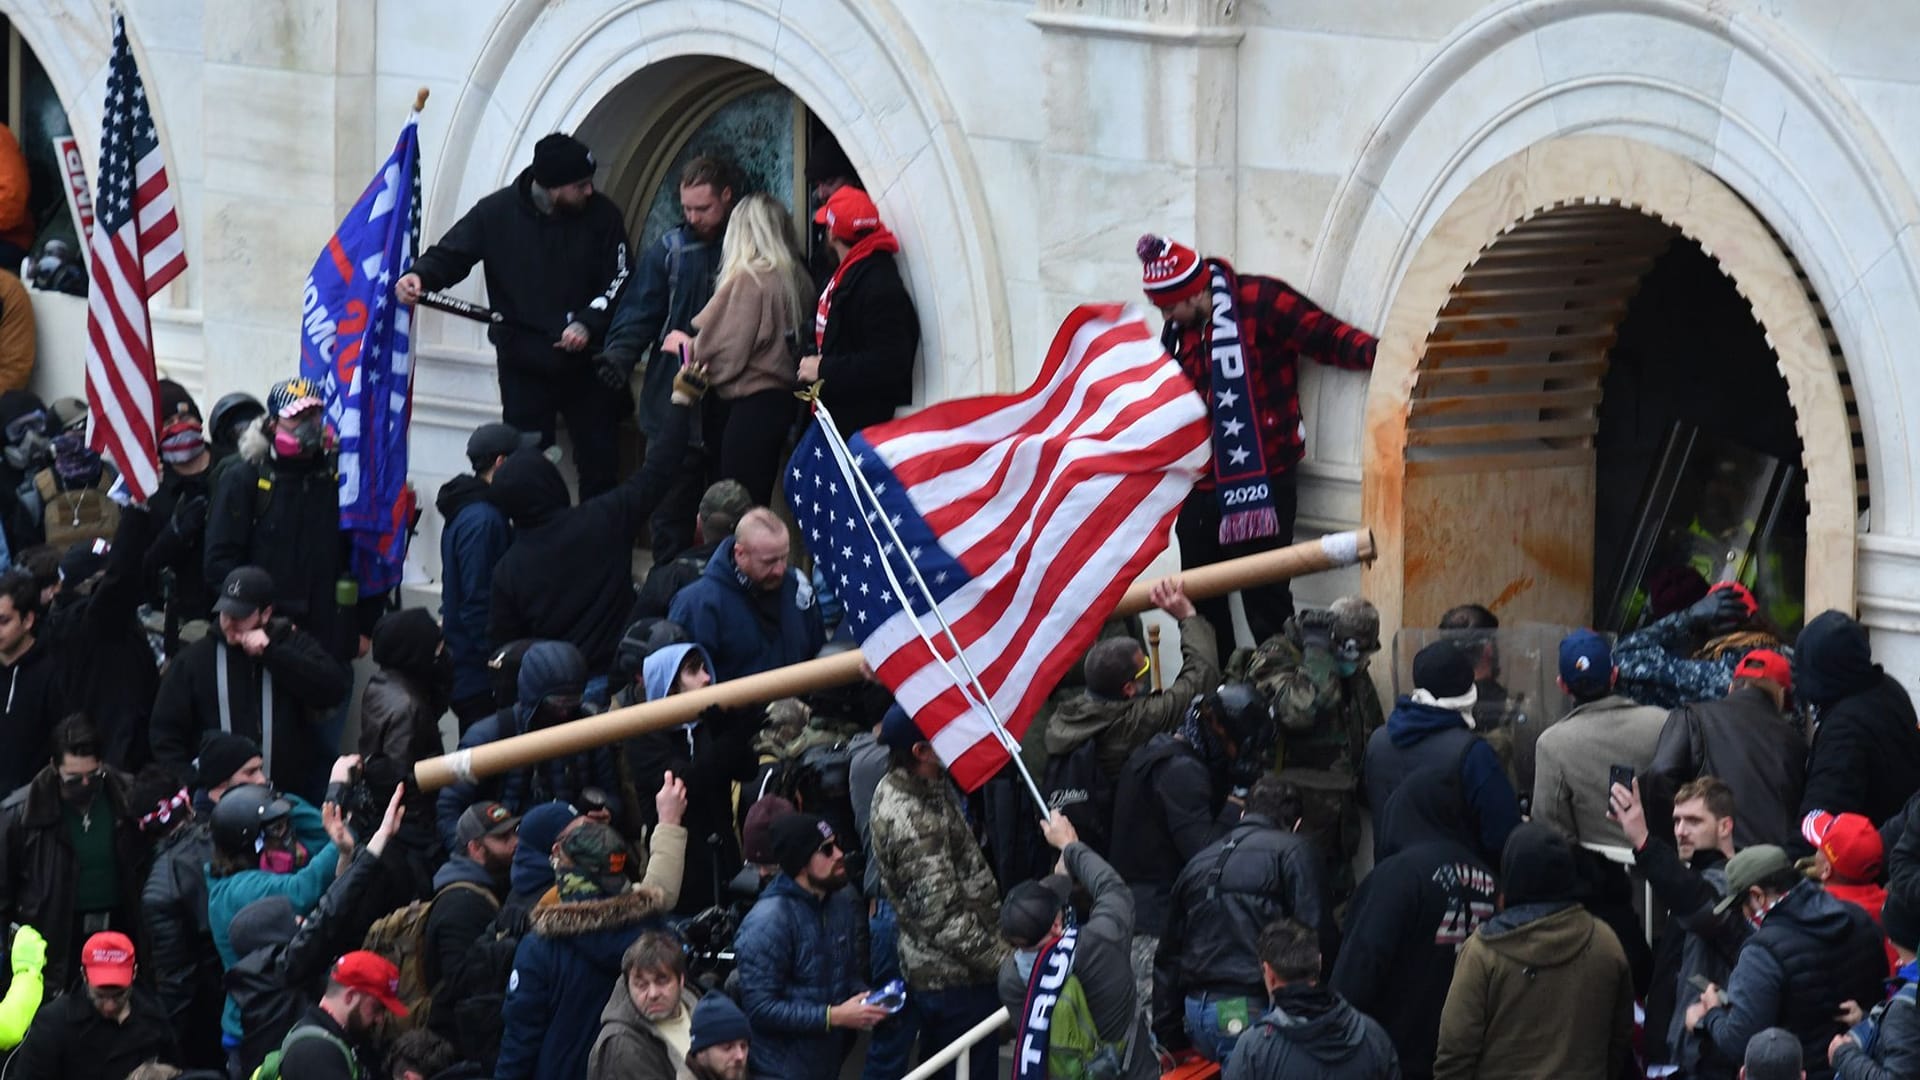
1866,747
569,574
1410,916
1312,1032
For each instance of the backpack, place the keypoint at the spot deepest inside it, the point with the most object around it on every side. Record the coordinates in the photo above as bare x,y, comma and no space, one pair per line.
470,997
79,515
1075,1050
270,1068
1074,784
401,936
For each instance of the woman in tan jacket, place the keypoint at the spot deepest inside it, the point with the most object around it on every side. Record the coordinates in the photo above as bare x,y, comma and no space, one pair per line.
747,336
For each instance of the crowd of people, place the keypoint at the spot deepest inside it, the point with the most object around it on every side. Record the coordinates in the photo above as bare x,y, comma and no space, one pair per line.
799,889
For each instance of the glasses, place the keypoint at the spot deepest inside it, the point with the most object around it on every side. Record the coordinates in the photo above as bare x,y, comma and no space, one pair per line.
1146,668
828,848
82,779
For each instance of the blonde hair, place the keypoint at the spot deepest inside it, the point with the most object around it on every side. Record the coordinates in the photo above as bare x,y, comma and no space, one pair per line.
760,240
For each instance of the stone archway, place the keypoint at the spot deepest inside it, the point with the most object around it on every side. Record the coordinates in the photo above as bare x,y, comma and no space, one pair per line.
1566,207
855,65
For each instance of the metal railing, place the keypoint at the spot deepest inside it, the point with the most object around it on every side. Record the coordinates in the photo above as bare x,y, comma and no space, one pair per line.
952,1054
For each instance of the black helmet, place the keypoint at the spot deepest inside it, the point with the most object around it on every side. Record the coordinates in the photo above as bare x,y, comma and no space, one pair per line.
243,814
644,638
229,414
1243,715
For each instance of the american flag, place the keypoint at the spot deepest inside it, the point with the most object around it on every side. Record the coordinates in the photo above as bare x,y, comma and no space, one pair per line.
1027,516
137,250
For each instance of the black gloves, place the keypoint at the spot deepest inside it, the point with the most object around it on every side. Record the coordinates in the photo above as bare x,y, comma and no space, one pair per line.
189,517
1718,612
609,371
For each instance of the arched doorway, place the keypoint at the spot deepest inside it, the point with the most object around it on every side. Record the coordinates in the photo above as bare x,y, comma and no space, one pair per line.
1485,414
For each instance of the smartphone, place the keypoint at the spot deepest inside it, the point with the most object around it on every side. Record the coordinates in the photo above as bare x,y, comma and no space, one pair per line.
891,997
1620,774
1698,982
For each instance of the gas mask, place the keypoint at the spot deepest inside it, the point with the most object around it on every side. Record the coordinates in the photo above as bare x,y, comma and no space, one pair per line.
300,437
28,446
279,852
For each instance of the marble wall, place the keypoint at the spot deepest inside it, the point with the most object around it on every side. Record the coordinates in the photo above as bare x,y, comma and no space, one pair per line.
1020,146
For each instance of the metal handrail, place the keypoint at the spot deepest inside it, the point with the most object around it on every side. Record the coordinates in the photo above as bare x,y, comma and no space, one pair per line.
959,1046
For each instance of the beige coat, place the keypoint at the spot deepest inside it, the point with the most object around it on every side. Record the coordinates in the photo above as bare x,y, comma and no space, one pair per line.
743,336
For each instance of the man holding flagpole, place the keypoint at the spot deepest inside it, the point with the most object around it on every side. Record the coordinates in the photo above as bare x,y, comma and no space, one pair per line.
1240,338
137,249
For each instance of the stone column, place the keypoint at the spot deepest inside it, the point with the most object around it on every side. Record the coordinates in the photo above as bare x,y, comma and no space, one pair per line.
290,137
1142,121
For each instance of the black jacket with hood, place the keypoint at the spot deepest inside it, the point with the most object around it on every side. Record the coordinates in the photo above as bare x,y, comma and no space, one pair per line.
474,534
1313,1033
107,668
569,574
400,727
543,271
69,1039
35,701
1221,901
1866,747
283,963
1170,803
549,669
1410,917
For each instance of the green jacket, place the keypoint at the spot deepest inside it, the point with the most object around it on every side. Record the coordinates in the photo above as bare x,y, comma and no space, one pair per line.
1124,725
943,892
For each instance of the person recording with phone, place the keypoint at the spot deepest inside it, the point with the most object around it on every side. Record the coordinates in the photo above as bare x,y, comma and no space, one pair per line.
803,958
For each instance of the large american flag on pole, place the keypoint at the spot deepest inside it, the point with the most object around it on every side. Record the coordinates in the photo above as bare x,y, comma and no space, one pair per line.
136,250
1026,516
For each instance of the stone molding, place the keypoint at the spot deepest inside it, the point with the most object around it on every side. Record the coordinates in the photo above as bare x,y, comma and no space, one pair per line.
1180,22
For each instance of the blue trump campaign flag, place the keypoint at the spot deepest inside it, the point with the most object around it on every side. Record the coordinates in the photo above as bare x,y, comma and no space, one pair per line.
356,344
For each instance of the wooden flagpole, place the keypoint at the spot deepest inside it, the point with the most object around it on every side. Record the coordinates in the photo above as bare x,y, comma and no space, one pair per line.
1330,552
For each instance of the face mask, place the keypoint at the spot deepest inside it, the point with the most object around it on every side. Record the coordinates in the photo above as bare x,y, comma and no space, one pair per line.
283,861
1024,959
302,438
77,794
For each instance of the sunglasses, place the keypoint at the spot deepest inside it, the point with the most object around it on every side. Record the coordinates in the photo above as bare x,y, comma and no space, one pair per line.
1146,668
82,779
828,848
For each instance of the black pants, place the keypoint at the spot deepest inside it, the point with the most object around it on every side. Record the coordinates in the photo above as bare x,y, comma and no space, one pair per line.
1198,530
530,401
753,431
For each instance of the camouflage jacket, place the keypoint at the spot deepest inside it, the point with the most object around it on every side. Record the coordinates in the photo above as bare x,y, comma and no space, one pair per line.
1660,665
943,893
1124,725
1324,718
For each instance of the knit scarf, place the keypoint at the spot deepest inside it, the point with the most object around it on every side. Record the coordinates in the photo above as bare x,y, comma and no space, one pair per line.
1050,972
877,240
1239,461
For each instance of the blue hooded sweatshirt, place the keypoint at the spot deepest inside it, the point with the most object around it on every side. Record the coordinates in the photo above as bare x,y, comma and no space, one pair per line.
1417,736
747,631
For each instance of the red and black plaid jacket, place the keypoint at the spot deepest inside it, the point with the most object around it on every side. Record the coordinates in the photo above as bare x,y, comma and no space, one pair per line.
1278,326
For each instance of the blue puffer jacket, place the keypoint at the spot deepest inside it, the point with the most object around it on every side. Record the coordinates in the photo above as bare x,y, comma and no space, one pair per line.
741,629
549,669
800,955
473,536
562,973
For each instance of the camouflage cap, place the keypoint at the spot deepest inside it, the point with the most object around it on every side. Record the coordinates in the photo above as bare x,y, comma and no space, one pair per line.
1357,620
727,501
595,849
